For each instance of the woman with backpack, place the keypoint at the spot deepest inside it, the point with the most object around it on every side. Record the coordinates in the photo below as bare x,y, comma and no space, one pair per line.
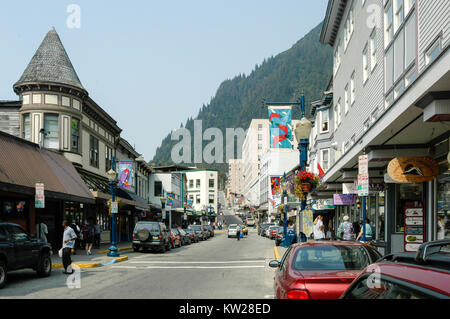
88,237
345,230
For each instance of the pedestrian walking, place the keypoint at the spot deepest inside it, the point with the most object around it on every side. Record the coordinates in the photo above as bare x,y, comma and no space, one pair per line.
368,231
69,237
97,234
42,231
345,230
441,228
238,232
319,233
77,231
88,237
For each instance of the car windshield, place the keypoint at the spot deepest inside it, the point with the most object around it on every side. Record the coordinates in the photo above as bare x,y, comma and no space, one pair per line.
232,227
151,227
330,257
195,227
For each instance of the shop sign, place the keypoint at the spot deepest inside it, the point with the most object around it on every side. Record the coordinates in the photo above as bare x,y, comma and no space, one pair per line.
363,175
323,204
413,169
114,207
344,199
39,199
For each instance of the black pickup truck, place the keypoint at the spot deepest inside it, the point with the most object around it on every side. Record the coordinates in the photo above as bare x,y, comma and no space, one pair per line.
20,250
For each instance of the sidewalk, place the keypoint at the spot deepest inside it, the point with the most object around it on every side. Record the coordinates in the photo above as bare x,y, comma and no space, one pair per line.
98,258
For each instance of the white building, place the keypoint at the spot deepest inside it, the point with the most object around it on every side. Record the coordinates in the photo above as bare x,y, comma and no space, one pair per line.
202,189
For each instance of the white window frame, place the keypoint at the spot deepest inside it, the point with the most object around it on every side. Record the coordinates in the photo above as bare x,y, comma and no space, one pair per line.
366,63
389,27
399,14
322,121
437,44
373,50
322,164
352,89
346,102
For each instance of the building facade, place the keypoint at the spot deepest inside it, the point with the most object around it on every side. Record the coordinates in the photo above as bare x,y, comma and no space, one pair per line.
391,101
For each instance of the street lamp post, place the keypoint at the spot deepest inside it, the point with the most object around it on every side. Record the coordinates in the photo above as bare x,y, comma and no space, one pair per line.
163,204
284,187
112,175
302,132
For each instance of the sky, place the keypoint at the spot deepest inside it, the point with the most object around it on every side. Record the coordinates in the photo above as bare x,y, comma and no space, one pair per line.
152,64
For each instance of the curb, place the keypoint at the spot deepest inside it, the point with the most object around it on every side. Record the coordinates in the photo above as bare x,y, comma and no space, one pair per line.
277,254
93,265
120,249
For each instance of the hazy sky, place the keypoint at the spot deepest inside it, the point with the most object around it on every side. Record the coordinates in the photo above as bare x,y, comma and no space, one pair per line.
152,64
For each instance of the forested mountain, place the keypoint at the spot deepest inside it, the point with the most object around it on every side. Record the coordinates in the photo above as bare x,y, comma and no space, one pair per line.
307,66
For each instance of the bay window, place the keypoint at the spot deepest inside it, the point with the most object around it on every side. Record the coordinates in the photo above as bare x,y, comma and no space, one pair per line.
51,126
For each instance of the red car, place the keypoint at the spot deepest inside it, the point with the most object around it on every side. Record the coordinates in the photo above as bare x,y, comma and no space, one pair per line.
175,239
320,270
421,275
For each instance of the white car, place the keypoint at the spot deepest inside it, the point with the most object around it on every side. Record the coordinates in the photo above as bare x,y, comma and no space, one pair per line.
232,230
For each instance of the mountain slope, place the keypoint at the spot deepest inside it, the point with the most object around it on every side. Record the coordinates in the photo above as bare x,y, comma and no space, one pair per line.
306,66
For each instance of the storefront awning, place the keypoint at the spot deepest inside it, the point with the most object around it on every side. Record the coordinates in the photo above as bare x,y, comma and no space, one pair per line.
141,204
23,164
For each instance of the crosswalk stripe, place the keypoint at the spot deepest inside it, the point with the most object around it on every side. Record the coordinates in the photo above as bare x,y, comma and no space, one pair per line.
187,267
196,262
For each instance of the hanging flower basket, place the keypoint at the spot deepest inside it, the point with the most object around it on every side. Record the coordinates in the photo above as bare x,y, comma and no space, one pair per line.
305,183
306,187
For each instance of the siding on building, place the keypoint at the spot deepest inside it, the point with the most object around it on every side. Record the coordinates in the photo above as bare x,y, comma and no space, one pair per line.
9,120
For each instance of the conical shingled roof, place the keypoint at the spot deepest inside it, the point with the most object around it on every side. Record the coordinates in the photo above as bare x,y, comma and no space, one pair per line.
51,63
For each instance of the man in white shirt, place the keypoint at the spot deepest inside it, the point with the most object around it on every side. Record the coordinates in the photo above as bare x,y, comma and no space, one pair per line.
42,231
69,237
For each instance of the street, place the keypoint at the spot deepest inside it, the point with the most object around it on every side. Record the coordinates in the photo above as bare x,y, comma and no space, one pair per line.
220,268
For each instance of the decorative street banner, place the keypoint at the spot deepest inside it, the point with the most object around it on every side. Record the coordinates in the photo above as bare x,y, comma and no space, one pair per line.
189,204
170,198
307,222
125,174
343,199
280,119
275,183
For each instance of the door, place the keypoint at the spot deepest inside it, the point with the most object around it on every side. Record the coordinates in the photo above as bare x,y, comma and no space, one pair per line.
23,247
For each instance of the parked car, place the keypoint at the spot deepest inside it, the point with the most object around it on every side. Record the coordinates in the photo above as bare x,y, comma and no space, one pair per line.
269,231
199,230
275,231
320,270
262,229
20,250
175,238
210,230
185,238
192,234
421,275
232,230
151,235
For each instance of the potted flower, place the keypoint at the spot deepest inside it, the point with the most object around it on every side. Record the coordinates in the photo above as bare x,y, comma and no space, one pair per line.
306,182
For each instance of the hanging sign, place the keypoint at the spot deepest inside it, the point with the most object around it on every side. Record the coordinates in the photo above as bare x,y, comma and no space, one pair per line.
39,198
343,199
114,207
413,169
363,176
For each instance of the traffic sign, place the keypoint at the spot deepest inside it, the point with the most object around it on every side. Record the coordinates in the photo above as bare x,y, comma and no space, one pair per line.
363,176
114,207
39,199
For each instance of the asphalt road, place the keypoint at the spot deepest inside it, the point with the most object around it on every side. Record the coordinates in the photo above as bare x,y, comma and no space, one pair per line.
219,268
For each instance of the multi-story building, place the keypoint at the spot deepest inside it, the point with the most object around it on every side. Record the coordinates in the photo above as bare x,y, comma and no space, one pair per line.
391,99
235,177
202,189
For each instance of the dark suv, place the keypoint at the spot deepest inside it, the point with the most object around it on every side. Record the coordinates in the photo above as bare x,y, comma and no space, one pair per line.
20,250
210,230
151,235
200,231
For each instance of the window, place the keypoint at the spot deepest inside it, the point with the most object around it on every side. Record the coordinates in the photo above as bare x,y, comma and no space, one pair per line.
108,158
375,115
337,57
388,22
366,125
26,99
75,135
399,14
17,233
399,55
65,101
260,127
389,100
51,99
51,126
325,159
157,189
26,126
260,137
259,146
373,50
389,65
346,100
197,183
339,117
211,183
76,105
324,119
93,151
191,183
433,52
410,77
197,199
409,5
36,99
399,89
410,41
366,64
211,199
352,88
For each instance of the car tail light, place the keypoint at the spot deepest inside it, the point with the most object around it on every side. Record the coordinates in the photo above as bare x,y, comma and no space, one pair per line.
160,237
298,294
134,236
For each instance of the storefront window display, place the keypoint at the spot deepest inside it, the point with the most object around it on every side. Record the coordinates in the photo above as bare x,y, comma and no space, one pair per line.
443,212
13,209
74,213
408,195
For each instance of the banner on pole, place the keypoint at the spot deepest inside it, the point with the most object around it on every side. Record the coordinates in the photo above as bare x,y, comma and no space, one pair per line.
275,183
126,172
280,118
39,199
363,176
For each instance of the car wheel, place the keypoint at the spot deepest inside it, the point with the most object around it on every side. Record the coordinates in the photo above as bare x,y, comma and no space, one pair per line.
163,249
44,267
3,274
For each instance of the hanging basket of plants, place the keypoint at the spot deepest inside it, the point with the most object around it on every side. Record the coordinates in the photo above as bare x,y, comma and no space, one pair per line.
305,183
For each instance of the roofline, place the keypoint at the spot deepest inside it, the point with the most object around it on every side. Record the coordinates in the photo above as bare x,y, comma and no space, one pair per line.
333,19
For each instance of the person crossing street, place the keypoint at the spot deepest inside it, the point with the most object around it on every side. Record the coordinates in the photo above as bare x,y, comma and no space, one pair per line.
238,232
